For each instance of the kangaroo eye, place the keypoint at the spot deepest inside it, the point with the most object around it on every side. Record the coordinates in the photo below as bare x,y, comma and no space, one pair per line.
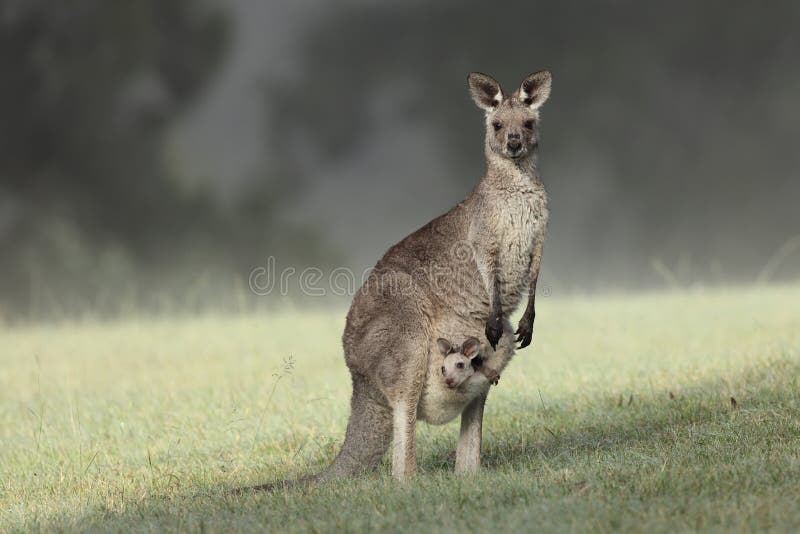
443,369
460,365
497,125
529,125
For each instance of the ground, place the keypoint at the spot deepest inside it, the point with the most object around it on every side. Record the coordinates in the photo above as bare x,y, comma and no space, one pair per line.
653,412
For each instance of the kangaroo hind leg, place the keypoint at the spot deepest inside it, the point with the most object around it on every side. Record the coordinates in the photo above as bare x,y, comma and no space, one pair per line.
411,360
404,454
369,432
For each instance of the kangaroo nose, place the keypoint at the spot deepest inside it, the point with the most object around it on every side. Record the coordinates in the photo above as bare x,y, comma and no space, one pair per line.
450,381
514,144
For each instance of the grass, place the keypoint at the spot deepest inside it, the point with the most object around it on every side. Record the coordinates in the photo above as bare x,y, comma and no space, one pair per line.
619,417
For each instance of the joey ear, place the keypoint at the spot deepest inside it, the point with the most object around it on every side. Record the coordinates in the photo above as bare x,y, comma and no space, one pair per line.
535,89
485,91
444,346
471,347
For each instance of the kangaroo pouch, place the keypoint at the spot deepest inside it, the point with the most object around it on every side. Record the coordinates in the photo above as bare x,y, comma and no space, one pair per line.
440,404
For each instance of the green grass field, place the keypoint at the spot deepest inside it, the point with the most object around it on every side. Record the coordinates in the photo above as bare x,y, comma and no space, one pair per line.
618,417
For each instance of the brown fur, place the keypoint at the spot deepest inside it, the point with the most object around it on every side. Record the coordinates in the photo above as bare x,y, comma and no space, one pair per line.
461,274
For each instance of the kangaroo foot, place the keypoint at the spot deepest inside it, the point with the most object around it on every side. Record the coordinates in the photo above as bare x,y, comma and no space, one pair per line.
491,375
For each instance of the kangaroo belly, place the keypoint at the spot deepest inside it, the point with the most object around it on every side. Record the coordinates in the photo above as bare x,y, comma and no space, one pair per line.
440,404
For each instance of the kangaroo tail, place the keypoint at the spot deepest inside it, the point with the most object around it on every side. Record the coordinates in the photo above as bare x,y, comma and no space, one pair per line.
368,435
282,484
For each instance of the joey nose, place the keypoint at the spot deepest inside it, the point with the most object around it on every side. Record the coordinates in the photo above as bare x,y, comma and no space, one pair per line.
513,145
450,382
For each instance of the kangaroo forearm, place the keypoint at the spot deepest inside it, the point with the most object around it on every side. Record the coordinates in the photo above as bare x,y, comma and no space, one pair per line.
494,323
530,308
525,329
496,302
536,262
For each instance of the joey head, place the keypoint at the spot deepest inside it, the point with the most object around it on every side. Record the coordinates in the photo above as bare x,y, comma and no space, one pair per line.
460,363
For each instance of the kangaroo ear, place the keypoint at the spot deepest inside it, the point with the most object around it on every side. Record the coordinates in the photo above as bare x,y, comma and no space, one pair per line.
535,89
444,346
485,91
471,347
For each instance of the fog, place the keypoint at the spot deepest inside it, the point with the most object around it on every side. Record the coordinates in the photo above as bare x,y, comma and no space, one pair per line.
153,155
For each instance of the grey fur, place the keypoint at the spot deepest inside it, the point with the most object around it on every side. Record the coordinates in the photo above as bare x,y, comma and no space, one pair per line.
459,276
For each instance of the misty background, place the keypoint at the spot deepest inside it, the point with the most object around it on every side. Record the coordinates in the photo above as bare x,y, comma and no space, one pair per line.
153,153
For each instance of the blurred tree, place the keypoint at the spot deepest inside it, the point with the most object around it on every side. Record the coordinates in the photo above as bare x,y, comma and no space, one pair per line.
665,113
89,202
87,95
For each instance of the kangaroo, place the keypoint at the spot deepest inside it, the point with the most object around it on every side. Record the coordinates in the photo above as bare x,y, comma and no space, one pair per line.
460,363
461,274
465,272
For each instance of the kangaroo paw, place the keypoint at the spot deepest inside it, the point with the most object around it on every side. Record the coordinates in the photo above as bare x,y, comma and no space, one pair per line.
491,375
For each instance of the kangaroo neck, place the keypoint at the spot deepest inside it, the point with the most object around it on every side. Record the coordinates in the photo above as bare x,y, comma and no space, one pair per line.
505,173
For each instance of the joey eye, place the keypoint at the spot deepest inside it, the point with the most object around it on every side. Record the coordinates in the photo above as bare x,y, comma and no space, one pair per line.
443,369
497,125
528,125
460,365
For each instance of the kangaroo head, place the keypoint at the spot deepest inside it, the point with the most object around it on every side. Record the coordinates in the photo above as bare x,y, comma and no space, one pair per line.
512,129
457,365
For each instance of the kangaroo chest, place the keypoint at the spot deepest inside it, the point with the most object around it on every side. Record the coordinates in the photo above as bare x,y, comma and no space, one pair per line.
517,224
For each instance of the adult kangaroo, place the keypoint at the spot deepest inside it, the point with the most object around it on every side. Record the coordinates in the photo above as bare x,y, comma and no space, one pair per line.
459,276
